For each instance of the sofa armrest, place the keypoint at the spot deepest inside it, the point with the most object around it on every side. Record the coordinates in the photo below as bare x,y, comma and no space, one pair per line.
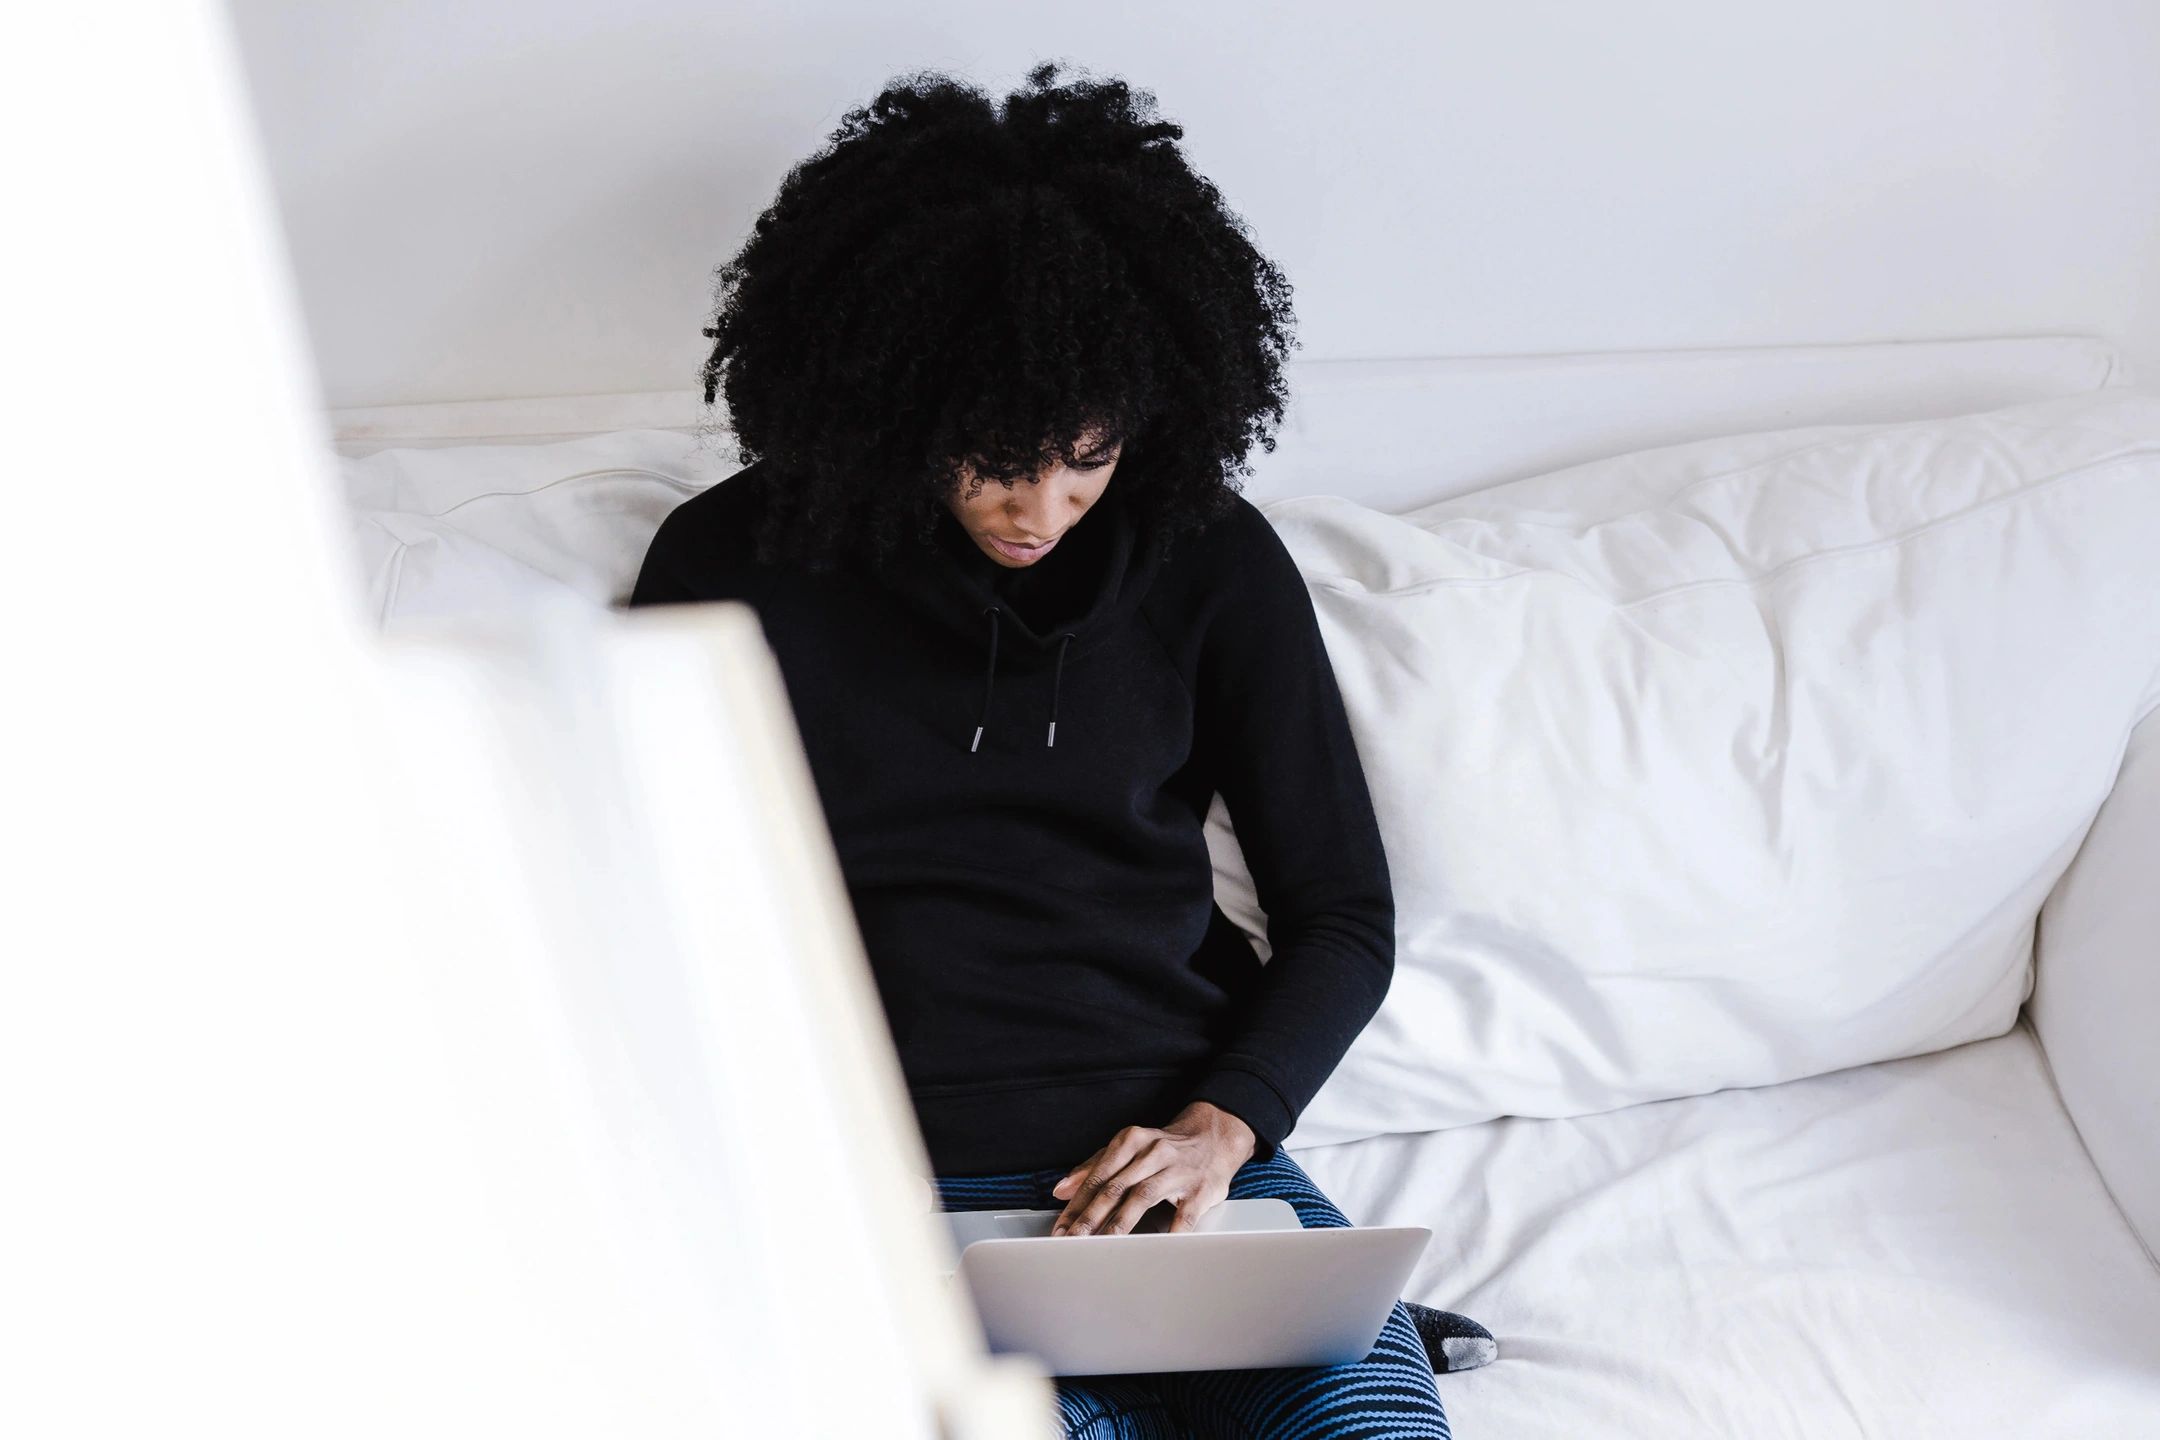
2096,990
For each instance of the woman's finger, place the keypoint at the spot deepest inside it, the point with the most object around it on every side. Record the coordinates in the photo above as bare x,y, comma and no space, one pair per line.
1073,1176
1101,1192
1138,1199
1106,1162
1195,1205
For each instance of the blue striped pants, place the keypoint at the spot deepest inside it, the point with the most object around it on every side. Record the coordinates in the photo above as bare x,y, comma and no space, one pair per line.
1388,1394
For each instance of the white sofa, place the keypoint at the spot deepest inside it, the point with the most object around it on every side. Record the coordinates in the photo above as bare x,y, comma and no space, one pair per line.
1744,729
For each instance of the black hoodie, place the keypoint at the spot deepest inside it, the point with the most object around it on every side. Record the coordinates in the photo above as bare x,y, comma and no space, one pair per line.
1016,766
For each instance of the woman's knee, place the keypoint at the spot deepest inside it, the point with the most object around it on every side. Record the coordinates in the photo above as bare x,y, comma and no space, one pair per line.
1282,1178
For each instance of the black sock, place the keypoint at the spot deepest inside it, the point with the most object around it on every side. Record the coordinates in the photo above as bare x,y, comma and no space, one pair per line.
1452,1342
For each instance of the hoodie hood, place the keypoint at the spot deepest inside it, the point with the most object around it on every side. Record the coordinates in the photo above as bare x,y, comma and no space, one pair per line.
1079,594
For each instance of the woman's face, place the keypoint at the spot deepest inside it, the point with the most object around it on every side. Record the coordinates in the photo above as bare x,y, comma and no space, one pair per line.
1006,520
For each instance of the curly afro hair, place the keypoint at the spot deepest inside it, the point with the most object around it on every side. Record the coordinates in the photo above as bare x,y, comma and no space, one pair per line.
946,284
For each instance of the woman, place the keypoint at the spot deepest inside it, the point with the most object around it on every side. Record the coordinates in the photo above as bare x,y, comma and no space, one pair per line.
992,372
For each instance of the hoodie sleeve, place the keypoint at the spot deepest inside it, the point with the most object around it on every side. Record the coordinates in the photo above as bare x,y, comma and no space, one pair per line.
1270,717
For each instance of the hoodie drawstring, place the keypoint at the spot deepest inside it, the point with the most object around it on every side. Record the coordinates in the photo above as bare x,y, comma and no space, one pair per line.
989,679
1057,679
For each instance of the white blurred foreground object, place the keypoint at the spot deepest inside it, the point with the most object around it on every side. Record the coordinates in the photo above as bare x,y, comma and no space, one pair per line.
295,1145
643,948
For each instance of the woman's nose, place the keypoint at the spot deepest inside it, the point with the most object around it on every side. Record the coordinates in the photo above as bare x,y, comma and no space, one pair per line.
1045,504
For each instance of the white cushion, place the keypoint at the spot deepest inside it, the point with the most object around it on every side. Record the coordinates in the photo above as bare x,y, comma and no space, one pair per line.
1731,762
475,529
2096,991
1918,1249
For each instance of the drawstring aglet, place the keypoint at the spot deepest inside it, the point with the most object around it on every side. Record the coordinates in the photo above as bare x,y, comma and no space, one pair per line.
1056,679
989,679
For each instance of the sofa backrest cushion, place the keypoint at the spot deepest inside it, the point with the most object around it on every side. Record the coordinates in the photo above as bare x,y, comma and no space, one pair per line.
474,529
1732,762
1713,765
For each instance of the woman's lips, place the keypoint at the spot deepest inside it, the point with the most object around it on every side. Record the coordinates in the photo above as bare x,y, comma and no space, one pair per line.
1022,552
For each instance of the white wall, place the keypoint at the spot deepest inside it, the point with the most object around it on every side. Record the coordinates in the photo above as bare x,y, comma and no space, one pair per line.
488,199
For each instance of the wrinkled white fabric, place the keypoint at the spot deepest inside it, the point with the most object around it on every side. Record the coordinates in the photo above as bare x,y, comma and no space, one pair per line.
498,529
1733,762
1900,1251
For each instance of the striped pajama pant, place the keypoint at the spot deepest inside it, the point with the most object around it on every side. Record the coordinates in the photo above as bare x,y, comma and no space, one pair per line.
1388,1394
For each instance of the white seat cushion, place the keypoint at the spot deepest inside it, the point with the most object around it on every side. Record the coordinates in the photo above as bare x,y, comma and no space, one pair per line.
1910,1249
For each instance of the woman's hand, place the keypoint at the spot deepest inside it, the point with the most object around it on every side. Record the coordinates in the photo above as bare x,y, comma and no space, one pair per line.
1189,1161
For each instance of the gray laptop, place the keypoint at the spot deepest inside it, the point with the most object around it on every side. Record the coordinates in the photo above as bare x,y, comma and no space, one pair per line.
1246,1288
